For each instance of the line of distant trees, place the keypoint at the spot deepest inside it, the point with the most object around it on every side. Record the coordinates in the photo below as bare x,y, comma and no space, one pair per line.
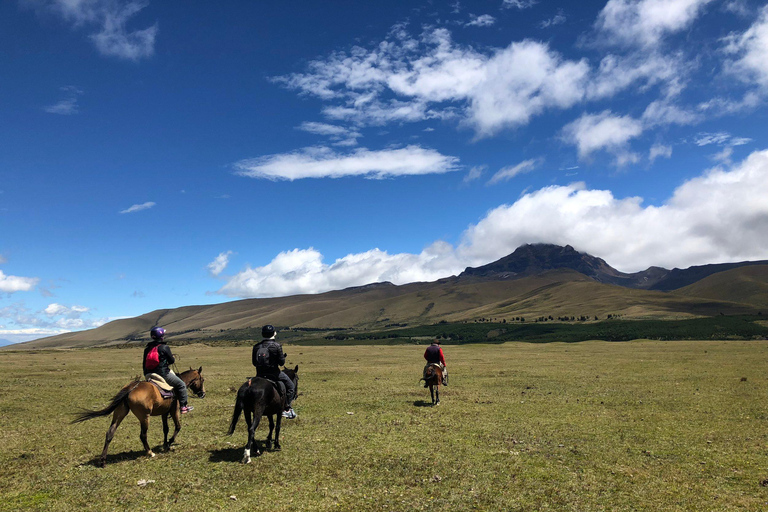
549,318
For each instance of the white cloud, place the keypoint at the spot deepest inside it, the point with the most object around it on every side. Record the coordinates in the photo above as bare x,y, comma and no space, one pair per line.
12,284
485,20
407,79
739,7
522,81
509,172
664,113
68,105
557,19
718,216
112,37
604,131
489,91
642,69
660,150
519,4
218,265
704,139
70,312
751,49
28,325
475,173
720,138
341,135
27,334
646,22
138,207
323,162
303,271
724,156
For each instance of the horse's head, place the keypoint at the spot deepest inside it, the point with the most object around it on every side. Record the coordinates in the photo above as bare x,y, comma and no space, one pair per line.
294,376
195,381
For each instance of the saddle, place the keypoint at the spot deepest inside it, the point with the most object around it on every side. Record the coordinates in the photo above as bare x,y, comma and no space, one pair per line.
279,386
426,367
166,390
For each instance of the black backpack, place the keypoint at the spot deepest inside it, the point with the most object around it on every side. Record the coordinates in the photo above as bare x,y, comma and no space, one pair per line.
262,355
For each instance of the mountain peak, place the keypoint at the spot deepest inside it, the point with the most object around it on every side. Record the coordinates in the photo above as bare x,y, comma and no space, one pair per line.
532,259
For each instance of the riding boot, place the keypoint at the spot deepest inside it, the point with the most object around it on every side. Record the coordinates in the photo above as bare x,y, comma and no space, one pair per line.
445,380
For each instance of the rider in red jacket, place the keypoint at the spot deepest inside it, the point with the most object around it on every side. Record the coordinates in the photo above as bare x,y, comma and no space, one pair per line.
434,354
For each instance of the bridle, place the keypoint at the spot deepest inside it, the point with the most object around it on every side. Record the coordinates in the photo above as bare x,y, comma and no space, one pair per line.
199,381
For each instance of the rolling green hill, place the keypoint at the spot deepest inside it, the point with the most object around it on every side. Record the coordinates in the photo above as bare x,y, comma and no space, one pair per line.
554,293
747,284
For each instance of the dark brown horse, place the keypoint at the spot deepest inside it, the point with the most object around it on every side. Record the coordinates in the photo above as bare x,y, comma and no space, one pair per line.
433,377
144,400
256,398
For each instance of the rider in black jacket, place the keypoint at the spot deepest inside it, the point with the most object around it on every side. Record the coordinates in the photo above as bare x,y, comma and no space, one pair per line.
269,367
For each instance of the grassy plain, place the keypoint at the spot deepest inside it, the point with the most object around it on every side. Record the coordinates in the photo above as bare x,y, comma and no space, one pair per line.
642,425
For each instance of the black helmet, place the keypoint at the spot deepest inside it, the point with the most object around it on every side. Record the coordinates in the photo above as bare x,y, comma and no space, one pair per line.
157,333
268,331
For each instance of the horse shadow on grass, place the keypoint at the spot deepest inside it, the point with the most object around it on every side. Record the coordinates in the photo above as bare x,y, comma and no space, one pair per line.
119,457
225,455
236,454
422,403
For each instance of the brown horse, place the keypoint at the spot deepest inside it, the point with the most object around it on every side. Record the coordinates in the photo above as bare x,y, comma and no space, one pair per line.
144,400
256,398
433,377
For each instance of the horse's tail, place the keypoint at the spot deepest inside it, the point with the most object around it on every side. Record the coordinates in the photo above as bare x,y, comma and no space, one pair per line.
118,399
238,407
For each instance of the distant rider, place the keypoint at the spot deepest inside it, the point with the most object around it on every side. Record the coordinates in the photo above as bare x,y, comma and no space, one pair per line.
434,354
157,357
268,365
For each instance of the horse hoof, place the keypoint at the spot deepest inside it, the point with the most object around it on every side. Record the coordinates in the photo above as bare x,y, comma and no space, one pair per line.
278,447
151,455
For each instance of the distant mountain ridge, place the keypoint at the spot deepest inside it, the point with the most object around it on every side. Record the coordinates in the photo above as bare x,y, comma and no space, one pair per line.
532,259
535,280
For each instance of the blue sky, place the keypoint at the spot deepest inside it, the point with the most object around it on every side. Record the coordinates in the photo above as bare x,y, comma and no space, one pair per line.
155,154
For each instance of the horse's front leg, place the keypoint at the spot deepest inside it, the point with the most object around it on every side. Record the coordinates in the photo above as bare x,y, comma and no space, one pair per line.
277,431
176,416
166,445
271,428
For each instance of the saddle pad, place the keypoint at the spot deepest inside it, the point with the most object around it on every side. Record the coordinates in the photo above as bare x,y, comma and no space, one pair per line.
158,381
279,386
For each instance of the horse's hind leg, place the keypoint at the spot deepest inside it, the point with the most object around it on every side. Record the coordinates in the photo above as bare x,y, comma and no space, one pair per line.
437,395
248,413
120,413
144,422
